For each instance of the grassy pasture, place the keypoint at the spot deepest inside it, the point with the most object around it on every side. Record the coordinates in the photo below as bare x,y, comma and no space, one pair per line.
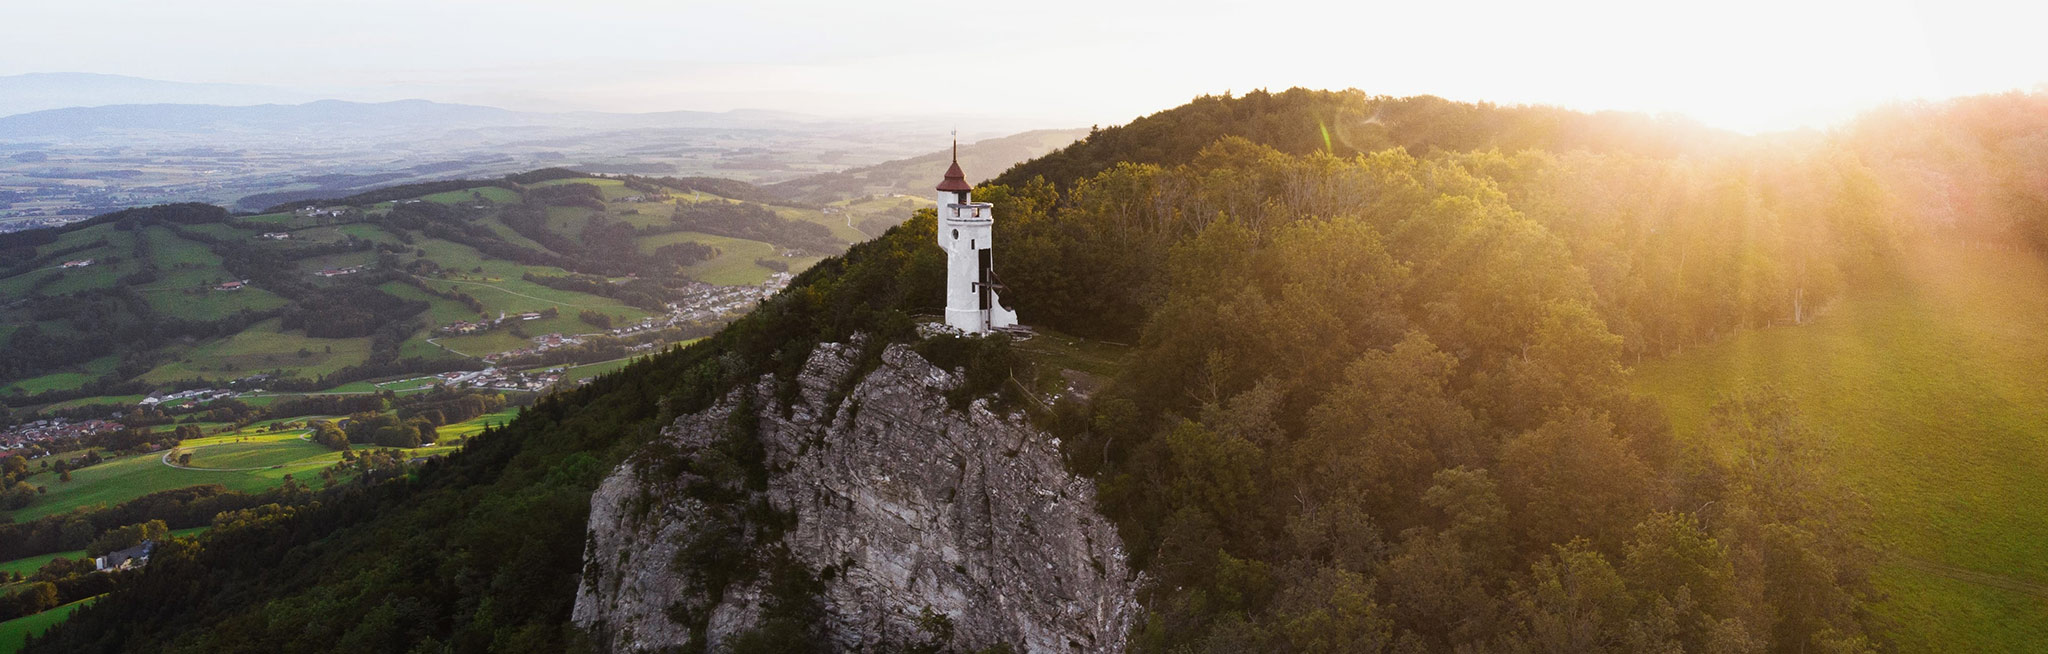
14,633
471,427
494,194
647,214
836,223
209,304
256,453
613,188
102,399
1932,390
261,348
222,458
734,265
222,231
77,376
129,477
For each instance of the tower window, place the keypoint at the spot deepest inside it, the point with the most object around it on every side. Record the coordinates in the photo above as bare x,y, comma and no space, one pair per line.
956,235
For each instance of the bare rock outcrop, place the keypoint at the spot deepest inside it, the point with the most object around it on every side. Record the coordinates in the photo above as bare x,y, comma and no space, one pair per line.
903,507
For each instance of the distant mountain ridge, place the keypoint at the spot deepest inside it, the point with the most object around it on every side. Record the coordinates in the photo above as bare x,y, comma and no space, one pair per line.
321,115
981,160
311,116
20,94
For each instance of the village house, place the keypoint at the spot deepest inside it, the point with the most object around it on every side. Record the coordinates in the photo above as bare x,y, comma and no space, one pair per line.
78,263
276,236
230,286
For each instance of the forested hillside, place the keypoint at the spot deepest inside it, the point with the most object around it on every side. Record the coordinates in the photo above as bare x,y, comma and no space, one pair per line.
1376,400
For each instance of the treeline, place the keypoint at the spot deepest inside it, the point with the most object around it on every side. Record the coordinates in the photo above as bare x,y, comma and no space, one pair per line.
1699,249
183,508
1350,123
390,193
1969,168
754,222
347,311
726,188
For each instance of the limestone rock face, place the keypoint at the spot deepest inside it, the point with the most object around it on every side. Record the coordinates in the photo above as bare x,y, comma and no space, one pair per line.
901,503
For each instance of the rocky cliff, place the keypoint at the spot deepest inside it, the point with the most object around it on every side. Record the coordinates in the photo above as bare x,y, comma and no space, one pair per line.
902,508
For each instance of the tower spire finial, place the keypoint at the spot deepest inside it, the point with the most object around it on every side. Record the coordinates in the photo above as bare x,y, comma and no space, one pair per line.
956,145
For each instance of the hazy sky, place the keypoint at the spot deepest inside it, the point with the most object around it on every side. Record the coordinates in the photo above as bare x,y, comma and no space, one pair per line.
1741,64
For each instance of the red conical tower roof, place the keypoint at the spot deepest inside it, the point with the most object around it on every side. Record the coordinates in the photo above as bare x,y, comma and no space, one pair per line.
955,180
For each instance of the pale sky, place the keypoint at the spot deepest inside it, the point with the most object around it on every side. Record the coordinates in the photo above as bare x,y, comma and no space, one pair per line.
1741,64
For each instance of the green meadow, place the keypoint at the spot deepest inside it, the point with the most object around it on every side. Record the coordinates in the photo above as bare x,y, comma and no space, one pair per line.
734,264
128,477
1933,393
77,376
249,460
14,633
262,348
494,194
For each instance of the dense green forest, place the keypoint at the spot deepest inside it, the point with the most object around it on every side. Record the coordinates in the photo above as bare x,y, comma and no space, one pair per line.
1377,399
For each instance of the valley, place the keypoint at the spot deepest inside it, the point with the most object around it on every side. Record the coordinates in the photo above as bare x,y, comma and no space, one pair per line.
475,308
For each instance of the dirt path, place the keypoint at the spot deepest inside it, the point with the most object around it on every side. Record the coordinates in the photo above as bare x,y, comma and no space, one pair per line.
1972,576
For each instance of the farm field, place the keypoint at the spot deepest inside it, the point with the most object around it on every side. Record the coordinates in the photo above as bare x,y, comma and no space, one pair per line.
78,376
224,459
1931,391
473,426
125,478
734,264
494,194
208,304
261,348
14,633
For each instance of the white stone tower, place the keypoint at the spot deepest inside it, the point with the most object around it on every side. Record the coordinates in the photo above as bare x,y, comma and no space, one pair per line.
966,233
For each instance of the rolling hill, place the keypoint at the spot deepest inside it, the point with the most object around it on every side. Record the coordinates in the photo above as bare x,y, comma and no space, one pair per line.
191,295
40,91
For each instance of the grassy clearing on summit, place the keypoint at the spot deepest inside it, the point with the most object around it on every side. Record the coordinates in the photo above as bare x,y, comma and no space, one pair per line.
1932,390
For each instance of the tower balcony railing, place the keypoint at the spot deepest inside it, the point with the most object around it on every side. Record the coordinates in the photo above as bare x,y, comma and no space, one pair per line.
972,210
